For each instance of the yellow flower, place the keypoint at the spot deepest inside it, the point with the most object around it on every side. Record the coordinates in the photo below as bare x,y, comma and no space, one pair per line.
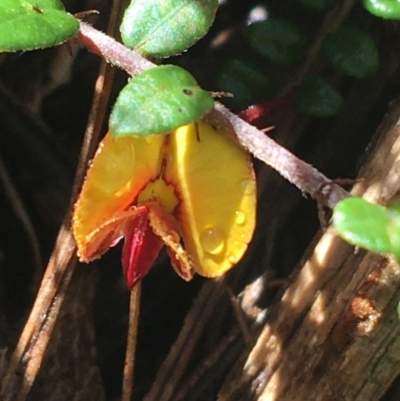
192,190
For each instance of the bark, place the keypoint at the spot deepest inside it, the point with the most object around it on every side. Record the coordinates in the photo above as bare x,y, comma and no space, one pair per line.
334,332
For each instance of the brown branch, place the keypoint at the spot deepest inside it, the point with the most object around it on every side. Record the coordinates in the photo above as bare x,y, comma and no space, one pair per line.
30,349
111,50
303,175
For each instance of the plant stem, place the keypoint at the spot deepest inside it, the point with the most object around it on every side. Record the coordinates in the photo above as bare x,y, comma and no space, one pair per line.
129,367
308,179
112,51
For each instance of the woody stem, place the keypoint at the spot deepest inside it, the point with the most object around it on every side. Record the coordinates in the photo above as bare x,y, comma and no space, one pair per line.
304,176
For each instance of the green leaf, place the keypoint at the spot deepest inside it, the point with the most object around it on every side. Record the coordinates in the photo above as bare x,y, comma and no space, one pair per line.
276,39
157,101
393,228
317,97
351,51
247,82
34,24
387,9
394,234
363,224
162,28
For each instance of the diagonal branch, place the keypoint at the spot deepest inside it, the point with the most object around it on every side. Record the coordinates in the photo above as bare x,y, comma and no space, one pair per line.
303,175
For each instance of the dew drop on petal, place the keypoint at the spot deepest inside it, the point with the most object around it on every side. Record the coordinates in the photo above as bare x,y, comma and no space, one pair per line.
212,240
231,258
240,217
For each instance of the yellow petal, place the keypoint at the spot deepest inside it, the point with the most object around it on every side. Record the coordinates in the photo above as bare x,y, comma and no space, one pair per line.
215,182
158,190
119,170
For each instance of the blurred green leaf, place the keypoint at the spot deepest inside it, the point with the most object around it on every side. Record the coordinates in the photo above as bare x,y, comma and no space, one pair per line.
387,9
157,101
351,51
34,24
162,28
276,39
248,84
317,97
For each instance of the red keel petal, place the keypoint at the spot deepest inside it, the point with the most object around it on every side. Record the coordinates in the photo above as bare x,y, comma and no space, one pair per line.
140,249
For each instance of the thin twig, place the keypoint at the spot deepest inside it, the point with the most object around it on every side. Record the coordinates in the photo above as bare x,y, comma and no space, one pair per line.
239,313
28,355
20,211
111,50
129,368
29,352
308,179
223,353
175,365
331,23
36,350
304,176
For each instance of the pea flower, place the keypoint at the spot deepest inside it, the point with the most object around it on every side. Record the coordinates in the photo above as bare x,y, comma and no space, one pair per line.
192,191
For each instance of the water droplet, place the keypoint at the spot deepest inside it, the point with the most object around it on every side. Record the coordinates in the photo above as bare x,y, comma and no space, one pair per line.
231,258
212,240
240,217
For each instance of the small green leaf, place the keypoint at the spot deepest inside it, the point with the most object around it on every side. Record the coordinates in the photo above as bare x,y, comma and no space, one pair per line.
394,234
351,51
157,101
248,83
162,28
317,97
34,24
393,227
363,224
276,39
387,9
